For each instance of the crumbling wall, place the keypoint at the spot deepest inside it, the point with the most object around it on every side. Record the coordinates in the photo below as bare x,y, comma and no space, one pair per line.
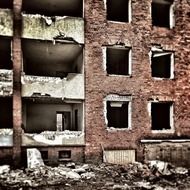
176,152
6,22
6,82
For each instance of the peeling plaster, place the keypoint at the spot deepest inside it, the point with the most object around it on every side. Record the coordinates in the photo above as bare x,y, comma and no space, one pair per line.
71,87
54,138
6,137
6,82
6,22
46,28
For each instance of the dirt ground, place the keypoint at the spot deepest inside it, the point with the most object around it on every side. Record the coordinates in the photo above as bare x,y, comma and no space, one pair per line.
154,176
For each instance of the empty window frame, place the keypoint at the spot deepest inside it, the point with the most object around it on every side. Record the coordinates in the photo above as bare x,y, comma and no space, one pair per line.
162,64
5,53
44,154
162,115
6,4
54,8
162,13
6,113
119,10
118,114
118,61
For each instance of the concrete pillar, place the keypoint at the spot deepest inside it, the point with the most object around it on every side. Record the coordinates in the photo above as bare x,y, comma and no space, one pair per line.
17,66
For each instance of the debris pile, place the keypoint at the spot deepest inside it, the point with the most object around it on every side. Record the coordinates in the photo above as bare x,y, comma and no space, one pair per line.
154,175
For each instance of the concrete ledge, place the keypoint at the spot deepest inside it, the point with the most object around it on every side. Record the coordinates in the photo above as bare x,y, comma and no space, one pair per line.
165,140
53,138
71,87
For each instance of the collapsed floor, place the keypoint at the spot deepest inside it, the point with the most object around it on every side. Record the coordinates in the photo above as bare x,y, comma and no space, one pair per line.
155,175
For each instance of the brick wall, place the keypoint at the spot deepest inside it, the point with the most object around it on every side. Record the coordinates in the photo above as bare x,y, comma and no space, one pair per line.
140,35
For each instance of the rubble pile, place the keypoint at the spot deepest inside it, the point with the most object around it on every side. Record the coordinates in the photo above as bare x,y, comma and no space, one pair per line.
154,175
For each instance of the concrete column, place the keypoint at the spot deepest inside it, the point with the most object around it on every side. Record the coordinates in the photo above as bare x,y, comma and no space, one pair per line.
17,66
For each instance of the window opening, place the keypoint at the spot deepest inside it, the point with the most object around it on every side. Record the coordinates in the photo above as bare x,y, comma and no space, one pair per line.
117,114
5,53
161,64
64,154
6,4
6,115
118,61
118,10
161,115
162,13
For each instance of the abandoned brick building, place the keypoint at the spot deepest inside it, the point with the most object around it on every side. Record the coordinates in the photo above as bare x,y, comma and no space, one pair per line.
87,80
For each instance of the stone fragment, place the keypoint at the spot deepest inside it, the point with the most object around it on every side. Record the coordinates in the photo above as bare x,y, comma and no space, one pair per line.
34,158
4,169
79,170
88,175
73,175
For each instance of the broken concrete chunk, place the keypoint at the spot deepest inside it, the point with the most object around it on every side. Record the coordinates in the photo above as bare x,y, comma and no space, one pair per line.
160,166
85,166
72,175
4,169
79,170
88,175
71,165
34,158
121,187
181,170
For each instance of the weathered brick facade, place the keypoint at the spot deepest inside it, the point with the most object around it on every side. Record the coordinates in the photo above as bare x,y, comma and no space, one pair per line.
140,36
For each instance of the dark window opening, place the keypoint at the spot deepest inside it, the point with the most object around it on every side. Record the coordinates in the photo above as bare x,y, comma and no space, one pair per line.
6,115
44,154
64,154
76,119
54,8
43,58
117,114
117,61
6,4
161,13
118,10
161,65
5,53
161,115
